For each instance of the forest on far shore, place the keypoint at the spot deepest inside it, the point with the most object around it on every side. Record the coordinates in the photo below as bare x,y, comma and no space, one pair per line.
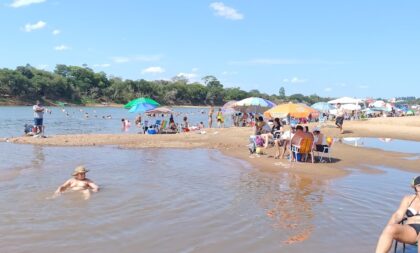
81,85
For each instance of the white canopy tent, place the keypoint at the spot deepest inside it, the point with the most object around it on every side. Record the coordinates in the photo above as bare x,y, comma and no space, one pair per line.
346,100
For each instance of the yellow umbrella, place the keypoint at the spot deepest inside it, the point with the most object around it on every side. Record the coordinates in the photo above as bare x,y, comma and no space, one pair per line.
295,110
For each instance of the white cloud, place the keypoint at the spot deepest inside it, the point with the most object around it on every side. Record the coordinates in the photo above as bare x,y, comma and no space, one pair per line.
102,65
61,48
153,70
220,9
21,3
294,80
38,25
56,32
189,76
363,86
142,58
328,89
276,61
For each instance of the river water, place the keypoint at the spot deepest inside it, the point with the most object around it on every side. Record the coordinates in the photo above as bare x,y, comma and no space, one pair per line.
156,200
81,120
174,200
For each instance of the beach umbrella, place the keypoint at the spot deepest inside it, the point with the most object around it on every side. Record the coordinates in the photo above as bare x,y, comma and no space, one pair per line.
254,104
322,107
141,105
228,108
141,100
160,110
409,112
295,110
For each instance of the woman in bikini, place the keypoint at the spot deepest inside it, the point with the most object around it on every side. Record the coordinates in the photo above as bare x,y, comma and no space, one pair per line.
408,212
79,182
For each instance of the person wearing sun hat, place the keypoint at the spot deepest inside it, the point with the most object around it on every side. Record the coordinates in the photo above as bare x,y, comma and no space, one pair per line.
79,182
404,225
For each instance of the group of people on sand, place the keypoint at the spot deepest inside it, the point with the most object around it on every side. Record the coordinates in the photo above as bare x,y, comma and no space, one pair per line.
275,133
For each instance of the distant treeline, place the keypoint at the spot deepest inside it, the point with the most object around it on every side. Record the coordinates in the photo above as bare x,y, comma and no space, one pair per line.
81,85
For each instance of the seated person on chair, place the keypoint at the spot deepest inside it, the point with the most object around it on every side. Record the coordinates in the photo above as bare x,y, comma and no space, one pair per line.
299,135
284,141
319,140
407,232
261,127
276,127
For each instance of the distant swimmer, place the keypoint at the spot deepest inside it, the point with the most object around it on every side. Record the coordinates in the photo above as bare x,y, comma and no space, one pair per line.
79,182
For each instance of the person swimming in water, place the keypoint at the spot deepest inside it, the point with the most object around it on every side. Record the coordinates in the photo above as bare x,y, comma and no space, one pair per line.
404,225
79,182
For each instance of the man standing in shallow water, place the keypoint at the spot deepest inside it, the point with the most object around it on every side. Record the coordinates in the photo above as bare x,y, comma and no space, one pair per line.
38,117
79,182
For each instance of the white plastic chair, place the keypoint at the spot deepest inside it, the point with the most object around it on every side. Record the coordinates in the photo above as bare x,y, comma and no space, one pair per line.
326,152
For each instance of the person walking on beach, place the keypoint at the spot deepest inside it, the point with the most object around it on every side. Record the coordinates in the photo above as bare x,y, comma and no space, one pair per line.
38,117
79,182
404,225
211,111
339,120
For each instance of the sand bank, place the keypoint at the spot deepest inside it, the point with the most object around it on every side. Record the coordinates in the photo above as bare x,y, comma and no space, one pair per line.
233,142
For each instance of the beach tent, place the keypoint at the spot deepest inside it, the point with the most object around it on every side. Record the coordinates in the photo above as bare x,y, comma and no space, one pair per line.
378,103
295,110
346,100
322,107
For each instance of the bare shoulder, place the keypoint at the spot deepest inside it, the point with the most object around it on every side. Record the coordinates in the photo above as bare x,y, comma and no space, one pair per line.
408,198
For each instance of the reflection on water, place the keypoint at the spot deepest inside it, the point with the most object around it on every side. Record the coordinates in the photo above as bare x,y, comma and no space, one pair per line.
288,201
157,201
386,144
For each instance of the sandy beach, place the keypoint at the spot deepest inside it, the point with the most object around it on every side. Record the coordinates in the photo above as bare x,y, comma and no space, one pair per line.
233,142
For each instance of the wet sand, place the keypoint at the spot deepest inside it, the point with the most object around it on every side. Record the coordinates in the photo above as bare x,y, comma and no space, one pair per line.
233,142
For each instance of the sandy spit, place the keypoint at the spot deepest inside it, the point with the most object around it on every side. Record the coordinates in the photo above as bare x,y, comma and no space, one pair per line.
233,142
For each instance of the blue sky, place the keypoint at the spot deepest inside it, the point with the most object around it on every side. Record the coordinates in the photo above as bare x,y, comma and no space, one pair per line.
331,48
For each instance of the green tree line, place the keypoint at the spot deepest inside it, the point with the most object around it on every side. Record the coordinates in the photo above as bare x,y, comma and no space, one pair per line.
81,85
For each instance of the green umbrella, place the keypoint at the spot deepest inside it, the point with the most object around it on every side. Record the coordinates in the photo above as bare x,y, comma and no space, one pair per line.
136,101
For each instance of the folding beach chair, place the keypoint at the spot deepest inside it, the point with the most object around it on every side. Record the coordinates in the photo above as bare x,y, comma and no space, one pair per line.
300,152
327,151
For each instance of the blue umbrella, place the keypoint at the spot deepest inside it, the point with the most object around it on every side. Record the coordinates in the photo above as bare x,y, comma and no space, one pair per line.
142,107
322,107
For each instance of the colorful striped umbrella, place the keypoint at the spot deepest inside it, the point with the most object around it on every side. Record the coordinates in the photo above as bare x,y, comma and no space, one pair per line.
254,104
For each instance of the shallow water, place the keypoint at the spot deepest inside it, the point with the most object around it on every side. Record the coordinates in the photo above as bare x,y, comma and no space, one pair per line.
153,200
13,118
386,144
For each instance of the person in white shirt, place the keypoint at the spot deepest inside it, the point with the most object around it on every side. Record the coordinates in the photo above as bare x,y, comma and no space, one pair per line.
38,116
340,117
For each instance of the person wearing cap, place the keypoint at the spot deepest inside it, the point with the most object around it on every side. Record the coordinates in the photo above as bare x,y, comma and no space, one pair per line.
79,182
404,225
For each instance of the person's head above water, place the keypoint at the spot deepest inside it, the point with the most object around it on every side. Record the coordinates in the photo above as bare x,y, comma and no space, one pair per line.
80,170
